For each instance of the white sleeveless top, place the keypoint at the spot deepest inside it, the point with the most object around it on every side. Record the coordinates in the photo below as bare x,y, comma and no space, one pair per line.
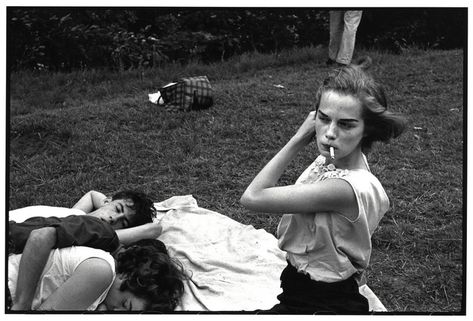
59,267
328,246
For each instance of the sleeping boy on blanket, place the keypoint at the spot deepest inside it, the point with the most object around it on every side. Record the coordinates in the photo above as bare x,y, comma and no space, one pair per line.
124,218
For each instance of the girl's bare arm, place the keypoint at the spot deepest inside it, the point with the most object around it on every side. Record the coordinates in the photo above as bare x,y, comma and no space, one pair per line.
89,280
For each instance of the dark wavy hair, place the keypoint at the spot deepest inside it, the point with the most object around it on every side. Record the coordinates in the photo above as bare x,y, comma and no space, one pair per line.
151,274
142,204
380,123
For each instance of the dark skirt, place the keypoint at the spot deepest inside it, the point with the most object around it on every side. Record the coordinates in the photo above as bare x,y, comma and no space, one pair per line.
302,295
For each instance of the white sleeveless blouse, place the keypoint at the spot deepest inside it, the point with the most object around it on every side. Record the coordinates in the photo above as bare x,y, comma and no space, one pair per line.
328,246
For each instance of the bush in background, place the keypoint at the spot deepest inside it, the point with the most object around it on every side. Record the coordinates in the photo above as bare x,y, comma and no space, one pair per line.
395,30
65,38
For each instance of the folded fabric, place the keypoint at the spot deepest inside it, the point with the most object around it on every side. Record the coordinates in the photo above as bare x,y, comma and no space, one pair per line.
232,266
156,98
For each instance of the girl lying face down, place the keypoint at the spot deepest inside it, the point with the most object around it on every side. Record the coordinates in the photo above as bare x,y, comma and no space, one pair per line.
142,277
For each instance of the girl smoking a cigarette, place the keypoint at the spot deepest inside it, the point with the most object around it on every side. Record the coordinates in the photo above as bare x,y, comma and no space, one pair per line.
336,203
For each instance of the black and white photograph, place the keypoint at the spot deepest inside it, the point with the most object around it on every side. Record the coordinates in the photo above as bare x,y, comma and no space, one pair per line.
247,161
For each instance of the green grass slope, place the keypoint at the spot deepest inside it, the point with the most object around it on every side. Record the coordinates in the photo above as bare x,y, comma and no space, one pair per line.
70,133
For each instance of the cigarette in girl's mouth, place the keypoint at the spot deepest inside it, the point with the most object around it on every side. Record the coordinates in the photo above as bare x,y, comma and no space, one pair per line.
332,153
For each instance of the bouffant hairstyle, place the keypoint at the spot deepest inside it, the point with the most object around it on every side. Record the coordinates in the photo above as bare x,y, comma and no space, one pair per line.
142,204
380,123
151,274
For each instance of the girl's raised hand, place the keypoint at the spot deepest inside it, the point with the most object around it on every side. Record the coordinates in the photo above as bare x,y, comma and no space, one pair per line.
306,132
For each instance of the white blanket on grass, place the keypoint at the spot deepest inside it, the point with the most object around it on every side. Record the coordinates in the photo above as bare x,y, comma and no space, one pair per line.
232,266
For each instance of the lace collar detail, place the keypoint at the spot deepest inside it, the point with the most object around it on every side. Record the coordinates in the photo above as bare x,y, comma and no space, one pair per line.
328,171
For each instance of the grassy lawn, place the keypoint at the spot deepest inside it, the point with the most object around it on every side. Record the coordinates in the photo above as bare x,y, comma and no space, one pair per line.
70,133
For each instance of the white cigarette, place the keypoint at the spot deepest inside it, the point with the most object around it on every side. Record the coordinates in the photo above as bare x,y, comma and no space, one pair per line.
332,153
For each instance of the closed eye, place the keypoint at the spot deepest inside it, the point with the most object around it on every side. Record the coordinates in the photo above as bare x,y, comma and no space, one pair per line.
346,124
323,117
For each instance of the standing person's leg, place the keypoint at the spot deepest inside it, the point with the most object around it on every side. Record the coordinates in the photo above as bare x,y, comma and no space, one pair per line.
345,53
336,31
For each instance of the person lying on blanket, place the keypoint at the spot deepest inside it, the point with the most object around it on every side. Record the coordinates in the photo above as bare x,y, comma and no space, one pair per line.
141,277
124,218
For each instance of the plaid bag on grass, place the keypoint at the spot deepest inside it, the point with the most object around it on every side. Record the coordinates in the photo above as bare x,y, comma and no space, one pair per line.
188,94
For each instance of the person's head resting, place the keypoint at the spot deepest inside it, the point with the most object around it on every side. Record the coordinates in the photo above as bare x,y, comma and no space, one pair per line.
353,80
126,209
141,203
149,273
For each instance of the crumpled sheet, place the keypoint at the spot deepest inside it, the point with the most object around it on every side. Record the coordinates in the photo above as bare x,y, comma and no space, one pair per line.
231,266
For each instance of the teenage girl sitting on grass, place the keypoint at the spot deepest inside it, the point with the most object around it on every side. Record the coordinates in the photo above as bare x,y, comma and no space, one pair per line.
336,203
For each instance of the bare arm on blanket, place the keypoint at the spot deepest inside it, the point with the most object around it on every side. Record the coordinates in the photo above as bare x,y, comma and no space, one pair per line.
91,201
145,231
34,258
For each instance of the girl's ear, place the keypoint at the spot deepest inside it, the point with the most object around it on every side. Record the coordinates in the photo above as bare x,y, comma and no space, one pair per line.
120,278
107,200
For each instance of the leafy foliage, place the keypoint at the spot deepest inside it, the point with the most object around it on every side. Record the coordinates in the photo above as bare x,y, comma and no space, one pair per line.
435,28
77,38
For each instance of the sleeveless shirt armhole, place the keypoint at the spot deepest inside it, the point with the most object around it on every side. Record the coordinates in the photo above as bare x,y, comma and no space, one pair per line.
359,202
84,253
368,182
